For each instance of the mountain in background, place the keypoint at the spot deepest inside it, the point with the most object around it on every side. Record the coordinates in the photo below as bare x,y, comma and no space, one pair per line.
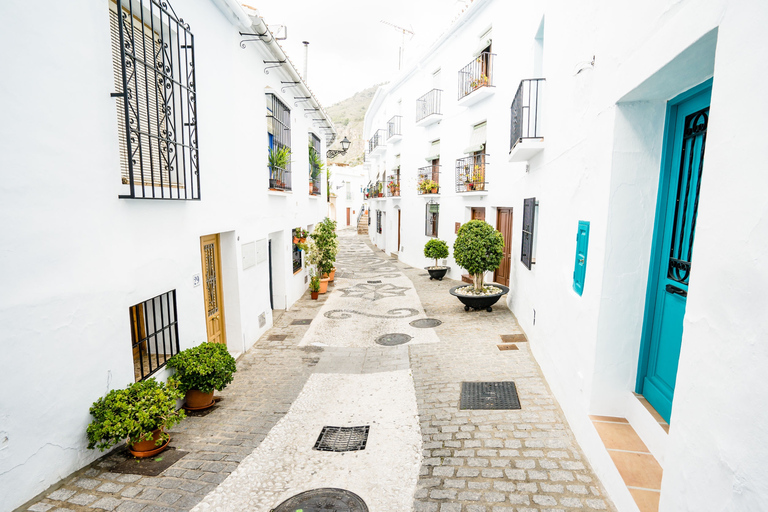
348,116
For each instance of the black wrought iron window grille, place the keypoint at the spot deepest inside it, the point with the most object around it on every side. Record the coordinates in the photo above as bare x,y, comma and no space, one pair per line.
429,104
526,250
471,172
315,171
154,334
378,221
154,71
377,140
296,252
431,220
279,143
477,74
393,127
526,111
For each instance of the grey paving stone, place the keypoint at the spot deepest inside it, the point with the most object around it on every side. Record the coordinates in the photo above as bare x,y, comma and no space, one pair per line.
82,499
61,494
110,487
106,503
86,483
40,507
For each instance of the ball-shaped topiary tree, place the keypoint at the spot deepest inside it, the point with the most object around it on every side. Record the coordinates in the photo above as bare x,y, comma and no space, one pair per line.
436,249
478,249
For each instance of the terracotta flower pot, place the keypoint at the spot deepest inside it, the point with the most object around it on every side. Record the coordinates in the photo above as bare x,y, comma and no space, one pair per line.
314,295
148,448
434,190
197,400
332,274
324,284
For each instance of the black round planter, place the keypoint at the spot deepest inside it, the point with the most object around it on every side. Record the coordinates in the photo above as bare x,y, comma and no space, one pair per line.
437,273
481,302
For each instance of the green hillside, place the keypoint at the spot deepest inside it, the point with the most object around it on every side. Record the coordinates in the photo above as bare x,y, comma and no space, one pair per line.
348,116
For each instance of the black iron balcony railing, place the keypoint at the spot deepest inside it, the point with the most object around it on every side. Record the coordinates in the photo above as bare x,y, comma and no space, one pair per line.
429,180
393,185
428,104
377,140
279,179
526,111
476,74
393,127
470,173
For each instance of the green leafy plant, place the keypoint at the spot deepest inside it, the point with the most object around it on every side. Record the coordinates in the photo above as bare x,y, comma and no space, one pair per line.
279,157
478,249
324,246
206,367
316,164
133,413
314,282
436,249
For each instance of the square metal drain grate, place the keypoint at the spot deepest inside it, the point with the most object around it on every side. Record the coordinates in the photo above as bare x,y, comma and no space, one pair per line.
342,439
489,395
277,337
513,338
302,321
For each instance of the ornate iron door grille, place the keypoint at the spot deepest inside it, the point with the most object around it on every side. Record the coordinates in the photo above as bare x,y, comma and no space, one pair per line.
154,64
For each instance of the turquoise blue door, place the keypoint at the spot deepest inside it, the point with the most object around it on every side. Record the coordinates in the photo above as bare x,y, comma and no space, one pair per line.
674,231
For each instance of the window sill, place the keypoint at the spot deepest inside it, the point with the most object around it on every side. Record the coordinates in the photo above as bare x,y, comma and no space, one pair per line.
279,193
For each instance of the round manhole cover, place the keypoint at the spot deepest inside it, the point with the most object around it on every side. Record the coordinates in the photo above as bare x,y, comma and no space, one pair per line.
389,340
318,500
426,322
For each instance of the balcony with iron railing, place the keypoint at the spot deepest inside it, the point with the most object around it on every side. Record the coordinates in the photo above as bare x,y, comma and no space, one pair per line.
394,132
429,180
377,189
526,134
377,143
470,173
393,185
476,79
428,108
279,179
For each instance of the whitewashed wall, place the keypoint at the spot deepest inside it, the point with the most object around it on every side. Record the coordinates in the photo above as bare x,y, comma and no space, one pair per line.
603,141
76,257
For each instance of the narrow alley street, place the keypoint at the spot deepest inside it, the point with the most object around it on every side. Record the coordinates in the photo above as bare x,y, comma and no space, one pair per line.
335,362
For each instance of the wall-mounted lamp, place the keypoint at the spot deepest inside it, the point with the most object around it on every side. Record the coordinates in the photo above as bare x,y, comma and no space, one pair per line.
332,153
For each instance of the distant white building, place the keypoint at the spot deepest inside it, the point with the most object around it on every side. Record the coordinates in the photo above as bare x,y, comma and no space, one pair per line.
347,185
140,216
599,139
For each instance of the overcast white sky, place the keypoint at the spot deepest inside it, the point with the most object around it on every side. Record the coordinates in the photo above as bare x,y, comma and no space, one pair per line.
350,49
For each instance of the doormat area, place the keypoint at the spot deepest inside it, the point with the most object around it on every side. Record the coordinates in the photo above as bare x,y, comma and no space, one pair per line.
302,321
489,395
513,338
151,466
339,500
507,347
342,439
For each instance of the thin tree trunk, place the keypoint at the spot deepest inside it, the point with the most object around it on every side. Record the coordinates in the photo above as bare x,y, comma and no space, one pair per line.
478,279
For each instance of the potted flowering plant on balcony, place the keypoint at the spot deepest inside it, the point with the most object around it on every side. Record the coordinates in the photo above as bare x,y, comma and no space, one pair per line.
436,249
478,177
300,235
380,189
394,188
139,413
481,81
479,249
428,186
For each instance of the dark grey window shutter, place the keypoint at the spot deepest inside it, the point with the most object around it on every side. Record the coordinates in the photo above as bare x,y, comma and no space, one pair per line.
529,207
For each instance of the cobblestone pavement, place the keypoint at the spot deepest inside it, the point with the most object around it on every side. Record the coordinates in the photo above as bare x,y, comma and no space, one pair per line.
472,461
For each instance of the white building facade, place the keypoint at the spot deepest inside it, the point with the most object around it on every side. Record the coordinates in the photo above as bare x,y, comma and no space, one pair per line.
115,263
347,185
582,132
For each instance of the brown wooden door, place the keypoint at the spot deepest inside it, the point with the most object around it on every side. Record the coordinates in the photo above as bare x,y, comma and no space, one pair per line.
347,216
398,230
504,224
478,213
214,303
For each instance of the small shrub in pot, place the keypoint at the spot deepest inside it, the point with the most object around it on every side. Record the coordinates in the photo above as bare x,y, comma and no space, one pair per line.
205,368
